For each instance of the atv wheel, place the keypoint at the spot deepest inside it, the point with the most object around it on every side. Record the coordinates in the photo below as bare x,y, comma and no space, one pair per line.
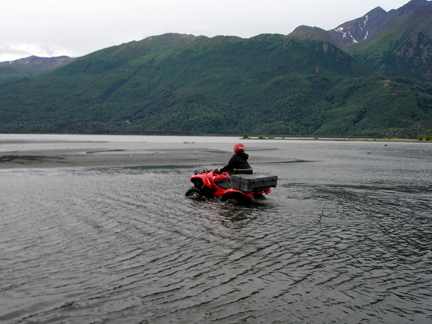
259,196
194,193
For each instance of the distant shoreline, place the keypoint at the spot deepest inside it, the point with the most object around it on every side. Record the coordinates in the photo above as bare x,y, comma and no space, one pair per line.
240,137
340,139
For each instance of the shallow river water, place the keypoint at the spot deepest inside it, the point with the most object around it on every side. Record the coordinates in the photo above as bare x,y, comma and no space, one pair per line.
346,237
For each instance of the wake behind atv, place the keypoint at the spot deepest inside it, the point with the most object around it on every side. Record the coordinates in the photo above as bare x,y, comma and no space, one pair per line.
241,187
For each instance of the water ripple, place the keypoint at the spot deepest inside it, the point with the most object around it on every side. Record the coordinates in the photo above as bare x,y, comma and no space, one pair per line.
114,245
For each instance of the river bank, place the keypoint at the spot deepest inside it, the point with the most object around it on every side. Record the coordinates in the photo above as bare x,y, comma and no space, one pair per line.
54,151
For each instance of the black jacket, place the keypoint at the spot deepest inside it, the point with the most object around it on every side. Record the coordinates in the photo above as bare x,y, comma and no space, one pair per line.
238,164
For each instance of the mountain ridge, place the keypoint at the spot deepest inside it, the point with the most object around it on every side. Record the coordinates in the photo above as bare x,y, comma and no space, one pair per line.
31,66
386,42
353,36
365,27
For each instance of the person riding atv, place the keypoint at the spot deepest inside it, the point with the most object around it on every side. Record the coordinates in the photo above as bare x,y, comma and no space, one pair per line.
238,163
235,181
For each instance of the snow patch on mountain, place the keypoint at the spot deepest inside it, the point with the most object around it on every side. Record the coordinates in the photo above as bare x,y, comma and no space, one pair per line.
352,37
366,20
341,30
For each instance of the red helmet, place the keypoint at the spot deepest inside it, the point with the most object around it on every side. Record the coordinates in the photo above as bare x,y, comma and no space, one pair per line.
239,147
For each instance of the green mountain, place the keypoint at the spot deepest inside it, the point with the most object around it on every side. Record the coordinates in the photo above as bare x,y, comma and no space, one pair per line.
181,84
31,66
403,47
394,43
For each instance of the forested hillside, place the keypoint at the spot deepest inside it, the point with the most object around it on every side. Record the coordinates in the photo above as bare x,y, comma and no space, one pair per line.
181,84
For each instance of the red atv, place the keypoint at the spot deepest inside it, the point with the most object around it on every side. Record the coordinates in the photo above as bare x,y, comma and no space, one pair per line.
241,187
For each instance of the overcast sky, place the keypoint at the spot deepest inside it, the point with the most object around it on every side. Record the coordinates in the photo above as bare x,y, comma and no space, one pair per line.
75,28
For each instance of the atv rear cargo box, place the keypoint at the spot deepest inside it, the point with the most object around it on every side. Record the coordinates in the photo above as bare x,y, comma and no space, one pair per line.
253,182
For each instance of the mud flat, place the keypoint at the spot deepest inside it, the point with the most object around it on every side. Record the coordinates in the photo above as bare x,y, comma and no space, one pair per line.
113,158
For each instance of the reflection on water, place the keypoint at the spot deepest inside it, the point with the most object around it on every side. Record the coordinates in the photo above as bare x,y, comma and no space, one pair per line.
118,245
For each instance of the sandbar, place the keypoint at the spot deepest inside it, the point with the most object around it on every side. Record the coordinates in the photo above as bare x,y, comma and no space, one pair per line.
70,158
